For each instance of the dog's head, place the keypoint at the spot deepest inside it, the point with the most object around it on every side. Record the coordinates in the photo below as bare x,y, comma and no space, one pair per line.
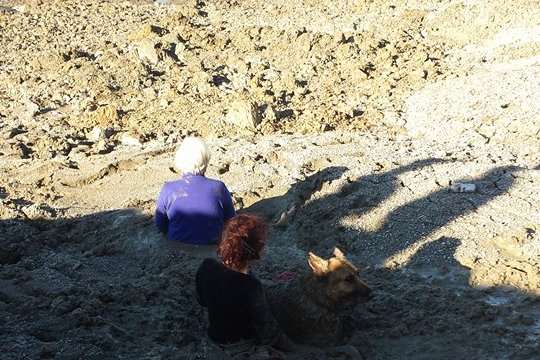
338,281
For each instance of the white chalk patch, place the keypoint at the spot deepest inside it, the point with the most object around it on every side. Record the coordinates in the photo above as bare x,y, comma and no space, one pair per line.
463,187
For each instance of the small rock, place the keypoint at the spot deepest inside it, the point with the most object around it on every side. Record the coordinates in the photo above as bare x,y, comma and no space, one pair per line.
223,168
149,93
31,108
20,8
269,114
80,152
7,10
94,134
104,147
104,116
130,139
179,51
15,131
326,127
22,150
242,113
39,211
286,215
98,133
463,187
147,31
147,52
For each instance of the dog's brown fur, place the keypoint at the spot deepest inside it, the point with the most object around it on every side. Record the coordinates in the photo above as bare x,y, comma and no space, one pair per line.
311,309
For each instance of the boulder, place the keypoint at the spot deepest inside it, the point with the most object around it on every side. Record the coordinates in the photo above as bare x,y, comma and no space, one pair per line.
242,113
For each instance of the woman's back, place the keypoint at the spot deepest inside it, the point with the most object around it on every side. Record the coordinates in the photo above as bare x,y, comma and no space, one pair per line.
237,308
193,209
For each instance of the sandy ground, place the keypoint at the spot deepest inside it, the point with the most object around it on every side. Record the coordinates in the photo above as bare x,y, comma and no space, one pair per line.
349,121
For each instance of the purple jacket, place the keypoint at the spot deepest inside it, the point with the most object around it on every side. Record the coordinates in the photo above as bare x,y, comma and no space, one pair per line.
193,209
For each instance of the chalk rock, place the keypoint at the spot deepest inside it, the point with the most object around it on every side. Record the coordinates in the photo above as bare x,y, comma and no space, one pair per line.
460,187
20,8
94,134
104,147
129,139
242,113
98,133
31,109
147,52
38,211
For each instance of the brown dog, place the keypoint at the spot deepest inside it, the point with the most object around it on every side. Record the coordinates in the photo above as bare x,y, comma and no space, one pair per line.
311,309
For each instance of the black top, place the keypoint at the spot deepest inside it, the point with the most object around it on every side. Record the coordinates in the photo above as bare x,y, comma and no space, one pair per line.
237,306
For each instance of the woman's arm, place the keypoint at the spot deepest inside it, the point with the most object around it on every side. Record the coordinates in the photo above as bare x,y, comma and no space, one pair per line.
226,201
161,219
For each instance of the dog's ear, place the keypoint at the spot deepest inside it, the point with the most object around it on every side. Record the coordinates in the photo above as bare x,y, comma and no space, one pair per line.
317,264
338,253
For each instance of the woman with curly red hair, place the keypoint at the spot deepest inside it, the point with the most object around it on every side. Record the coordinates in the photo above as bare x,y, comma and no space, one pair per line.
240,321
242,242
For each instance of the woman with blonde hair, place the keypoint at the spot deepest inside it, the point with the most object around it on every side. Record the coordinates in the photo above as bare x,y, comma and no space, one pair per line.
193,209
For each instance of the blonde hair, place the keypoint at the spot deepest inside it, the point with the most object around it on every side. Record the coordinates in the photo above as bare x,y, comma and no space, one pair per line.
192,156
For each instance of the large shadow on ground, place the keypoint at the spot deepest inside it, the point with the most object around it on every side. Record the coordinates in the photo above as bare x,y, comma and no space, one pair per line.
426,312
99,286
424,308
315,223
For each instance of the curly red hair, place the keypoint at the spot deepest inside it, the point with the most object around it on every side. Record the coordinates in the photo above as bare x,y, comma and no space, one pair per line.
242,240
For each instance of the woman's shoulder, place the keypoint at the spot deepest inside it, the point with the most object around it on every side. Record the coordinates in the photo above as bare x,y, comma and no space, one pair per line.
215,267
217,185
209,263
171,185
215,182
